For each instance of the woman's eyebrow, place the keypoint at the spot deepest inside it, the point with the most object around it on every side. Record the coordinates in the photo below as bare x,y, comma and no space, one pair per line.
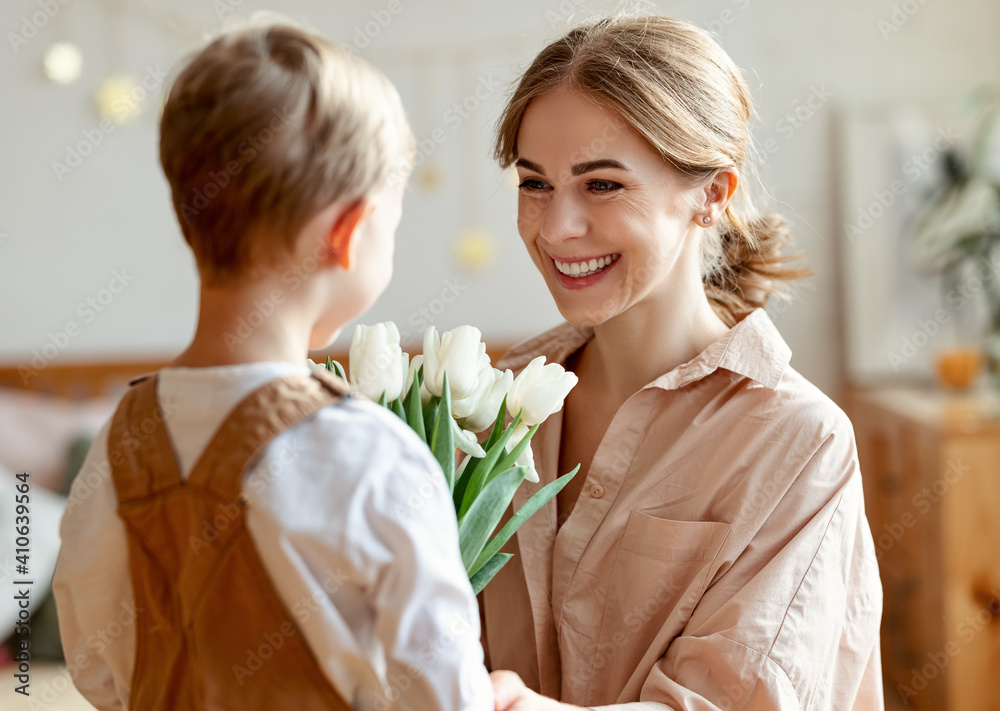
527,164
581,168
578,169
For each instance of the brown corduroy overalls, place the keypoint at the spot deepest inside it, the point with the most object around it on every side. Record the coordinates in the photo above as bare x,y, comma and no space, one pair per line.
211,630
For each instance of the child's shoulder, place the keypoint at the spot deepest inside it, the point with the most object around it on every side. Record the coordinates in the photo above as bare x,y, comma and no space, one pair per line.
361,439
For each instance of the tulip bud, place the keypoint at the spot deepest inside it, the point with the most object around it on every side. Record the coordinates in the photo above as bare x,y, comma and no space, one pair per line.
539,391
458,352
489,404
378,364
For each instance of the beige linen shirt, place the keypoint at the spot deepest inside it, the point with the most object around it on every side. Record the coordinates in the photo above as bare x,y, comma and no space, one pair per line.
718,556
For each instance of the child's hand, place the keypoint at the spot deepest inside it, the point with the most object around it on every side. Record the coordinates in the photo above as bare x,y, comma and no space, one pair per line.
513,695
510,691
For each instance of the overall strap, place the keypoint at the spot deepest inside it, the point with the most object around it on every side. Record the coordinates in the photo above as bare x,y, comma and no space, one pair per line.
139,448
258,418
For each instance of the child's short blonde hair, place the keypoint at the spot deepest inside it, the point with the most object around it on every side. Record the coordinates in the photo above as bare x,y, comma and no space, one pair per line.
266,126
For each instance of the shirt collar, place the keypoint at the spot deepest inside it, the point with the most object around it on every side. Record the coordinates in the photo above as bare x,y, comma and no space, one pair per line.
752,348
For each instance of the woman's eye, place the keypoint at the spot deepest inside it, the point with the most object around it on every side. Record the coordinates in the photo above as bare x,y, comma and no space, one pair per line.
603,186
532,184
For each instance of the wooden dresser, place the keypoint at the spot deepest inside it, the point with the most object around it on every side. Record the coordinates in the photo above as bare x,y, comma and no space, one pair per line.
931,468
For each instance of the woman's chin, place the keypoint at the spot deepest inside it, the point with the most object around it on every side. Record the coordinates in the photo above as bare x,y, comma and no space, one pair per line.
581,315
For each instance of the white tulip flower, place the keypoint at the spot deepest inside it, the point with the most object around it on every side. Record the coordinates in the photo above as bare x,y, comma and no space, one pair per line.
457,352
378,364
460,409
315,367
539,391
486,411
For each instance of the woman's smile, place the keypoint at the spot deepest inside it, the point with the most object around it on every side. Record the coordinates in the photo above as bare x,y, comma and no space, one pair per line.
580,273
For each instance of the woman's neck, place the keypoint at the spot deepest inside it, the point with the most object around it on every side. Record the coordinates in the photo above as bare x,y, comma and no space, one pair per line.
650,339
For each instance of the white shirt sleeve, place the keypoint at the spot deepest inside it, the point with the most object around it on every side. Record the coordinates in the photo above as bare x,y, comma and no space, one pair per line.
426,614
362,545
94,598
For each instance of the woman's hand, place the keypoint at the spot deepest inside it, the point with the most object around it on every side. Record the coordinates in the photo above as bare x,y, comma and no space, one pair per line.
513,695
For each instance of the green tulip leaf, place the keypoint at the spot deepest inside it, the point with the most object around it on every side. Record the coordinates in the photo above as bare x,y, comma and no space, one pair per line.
462,482
397,407
414,408
442,440
485,513
486,573
530,508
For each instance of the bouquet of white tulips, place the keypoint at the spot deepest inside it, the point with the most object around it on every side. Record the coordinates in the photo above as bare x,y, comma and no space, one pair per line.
448,395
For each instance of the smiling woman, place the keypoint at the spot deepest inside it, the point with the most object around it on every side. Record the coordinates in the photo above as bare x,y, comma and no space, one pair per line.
713,551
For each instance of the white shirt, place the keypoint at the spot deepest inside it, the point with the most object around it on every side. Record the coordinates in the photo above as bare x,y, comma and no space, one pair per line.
352,520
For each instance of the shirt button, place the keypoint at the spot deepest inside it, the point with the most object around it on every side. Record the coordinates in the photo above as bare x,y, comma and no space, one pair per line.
597,491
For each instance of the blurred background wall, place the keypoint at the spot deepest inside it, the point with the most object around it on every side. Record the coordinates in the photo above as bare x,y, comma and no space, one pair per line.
84,212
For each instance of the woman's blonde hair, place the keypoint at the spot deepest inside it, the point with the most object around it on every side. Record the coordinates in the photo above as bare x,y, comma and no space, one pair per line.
676,87
266,126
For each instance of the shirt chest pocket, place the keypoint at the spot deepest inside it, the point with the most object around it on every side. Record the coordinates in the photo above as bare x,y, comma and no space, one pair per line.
660,573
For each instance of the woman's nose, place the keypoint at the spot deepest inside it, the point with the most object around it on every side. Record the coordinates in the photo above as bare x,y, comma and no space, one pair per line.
562,218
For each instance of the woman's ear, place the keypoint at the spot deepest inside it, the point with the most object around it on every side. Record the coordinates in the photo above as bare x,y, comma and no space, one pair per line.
345,230
720,191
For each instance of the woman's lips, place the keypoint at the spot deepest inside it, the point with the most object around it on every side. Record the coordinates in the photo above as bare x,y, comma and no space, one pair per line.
579,273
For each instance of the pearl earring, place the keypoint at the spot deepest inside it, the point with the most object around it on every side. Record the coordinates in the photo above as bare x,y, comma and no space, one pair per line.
707,220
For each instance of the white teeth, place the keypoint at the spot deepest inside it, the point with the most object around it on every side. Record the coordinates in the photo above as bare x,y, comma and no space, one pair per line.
581,269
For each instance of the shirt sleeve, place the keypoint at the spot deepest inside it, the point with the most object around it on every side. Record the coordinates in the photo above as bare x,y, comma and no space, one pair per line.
426,614
792,622
94,600
362,546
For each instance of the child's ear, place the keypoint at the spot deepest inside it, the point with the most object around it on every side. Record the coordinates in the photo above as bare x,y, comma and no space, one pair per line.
345,230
